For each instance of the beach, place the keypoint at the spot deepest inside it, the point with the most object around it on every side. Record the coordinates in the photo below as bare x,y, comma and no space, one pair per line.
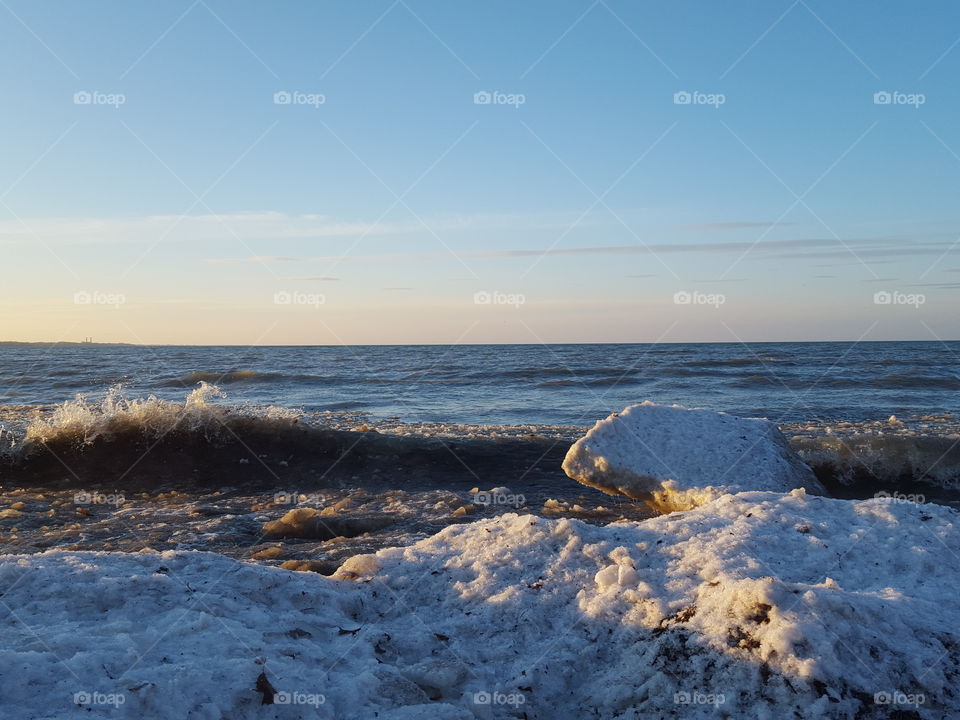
472,535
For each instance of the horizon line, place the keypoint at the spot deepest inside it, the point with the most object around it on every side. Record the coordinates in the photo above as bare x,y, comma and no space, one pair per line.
468,344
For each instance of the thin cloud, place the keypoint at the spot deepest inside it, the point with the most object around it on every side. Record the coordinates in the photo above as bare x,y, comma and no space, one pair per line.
313,278
257,259
735,225
262,226
868,249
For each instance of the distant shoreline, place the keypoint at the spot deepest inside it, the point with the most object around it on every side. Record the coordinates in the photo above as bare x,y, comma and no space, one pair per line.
67,343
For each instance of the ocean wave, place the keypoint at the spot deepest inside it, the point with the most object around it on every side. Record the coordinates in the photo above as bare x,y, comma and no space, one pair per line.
737,362
232,377
917,380
218,378
861,465
573,372
150,442
146,443
82,421
686,372
898,381
591,382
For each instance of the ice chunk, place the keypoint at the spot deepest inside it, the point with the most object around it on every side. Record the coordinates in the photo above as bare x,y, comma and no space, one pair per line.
315,524
356,567
676,458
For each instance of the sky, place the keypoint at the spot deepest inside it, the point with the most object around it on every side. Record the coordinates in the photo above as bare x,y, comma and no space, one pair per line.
412,171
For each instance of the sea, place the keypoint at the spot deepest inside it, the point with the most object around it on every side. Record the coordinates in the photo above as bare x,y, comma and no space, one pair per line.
512,384
240,450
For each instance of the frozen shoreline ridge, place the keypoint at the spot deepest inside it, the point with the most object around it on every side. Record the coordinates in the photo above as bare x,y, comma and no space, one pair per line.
676,458
756,599
758,604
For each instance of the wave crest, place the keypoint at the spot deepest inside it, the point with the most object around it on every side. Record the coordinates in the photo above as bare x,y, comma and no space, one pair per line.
81,421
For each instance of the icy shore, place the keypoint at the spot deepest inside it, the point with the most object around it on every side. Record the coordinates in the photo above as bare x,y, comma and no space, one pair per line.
758,604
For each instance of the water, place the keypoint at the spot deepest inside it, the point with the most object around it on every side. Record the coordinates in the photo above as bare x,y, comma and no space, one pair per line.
513,384
393,443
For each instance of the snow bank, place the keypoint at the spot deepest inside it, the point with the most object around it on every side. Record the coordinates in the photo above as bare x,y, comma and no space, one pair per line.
758,605
676,459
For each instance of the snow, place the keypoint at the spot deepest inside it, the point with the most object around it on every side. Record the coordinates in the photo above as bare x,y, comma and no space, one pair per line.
759,604
675,458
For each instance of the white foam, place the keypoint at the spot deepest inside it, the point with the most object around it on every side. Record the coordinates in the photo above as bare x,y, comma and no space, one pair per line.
83,420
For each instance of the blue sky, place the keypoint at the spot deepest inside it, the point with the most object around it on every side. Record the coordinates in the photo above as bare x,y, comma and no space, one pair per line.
153,190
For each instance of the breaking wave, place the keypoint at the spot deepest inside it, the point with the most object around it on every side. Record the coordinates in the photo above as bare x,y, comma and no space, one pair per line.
81,421
869,463
149,442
